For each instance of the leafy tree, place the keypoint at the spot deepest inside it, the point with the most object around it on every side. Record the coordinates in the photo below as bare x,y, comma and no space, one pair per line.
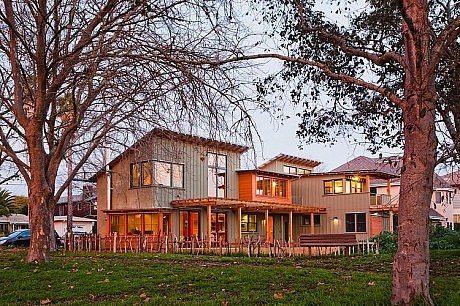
390,70
20,205
76,74
6,202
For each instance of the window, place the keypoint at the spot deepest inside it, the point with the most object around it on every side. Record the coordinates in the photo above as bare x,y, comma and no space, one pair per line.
117,224
134,224
289,169
437,196
355,223
266,186
316,219
333,186
217,172
135,175
150,173
248,223
302,171
151,223
146,173
295,170
188,224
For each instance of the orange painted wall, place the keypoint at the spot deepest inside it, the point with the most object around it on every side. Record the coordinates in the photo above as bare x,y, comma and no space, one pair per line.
247,190
376,225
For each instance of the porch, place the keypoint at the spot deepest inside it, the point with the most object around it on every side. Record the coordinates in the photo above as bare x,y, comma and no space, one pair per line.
243,219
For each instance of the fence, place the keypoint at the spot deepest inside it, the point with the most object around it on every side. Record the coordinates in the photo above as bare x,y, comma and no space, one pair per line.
249,245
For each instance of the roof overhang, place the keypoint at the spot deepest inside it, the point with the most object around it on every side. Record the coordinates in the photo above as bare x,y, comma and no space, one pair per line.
292,160
371,174
225,203
269,173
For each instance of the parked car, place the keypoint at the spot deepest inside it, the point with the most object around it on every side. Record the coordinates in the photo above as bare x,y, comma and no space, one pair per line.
22,238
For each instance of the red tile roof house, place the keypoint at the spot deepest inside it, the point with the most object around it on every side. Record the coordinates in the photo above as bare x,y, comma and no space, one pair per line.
186,187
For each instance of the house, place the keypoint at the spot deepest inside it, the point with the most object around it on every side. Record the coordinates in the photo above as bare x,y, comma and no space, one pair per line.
79,225
84,204
186,186
13,222
347,198
442,191
453,179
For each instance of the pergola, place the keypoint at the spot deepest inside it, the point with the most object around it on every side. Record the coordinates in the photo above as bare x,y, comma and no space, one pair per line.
249,206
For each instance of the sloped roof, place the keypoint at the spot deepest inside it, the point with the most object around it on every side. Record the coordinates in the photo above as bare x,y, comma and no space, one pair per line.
434,215
390,165
15,219
158,133
292,160
452,178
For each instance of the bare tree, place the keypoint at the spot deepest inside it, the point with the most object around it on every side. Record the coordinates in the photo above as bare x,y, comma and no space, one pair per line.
76,73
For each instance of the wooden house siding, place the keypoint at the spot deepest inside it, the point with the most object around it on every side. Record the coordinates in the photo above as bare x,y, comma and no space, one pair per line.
195,179
309,190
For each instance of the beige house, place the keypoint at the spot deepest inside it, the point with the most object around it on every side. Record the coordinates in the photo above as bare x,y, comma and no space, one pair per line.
184,186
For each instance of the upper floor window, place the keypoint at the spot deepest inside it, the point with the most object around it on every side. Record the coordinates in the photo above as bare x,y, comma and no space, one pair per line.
295,170
333,186
148,173
290,169
266,186
354,186
217,175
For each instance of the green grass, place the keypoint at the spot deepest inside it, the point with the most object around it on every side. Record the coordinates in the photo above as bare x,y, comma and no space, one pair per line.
171,279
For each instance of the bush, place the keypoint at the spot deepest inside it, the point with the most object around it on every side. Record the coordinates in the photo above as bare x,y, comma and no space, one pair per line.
443,238
388,242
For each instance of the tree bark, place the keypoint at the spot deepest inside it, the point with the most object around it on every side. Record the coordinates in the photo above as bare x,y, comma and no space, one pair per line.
411,263
40,197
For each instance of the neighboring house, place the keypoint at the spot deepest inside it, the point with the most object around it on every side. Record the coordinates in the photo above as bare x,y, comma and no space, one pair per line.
84,204
79,225
187,186
348,201
9,224
442,197
454,180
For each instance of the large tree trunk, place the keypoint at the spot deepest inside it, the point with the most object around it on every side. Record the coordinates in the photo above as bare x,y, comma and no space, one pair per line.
40,196
412,262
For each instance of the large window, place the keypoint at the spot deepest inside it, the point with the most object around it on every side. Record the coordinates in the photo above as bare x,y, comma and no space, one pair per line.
134,224
271,187
117,224
355,223
333,186
248,223
217,172
188,224
148,173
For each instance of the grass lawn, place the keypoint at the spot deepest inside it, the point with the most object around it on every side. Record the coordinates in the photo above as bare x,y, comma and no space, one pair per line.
167,279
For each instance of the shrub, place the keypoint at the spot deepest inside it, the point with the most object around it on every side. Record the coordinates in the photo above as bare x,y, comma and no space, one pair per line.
388,242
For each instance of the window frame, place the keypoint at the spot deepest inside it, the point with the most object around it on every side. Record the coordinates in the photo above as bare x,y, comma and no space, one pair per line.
328,190
356,223
147,170
248,223
306,220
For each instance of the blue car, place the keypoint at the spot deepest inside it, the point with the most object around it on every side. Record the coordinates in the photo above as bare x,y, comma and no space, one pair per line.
22,238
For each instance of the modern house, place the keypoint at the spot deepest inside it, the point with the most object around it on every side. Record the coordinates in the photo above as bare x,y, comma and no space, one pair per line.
186,186
386,192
